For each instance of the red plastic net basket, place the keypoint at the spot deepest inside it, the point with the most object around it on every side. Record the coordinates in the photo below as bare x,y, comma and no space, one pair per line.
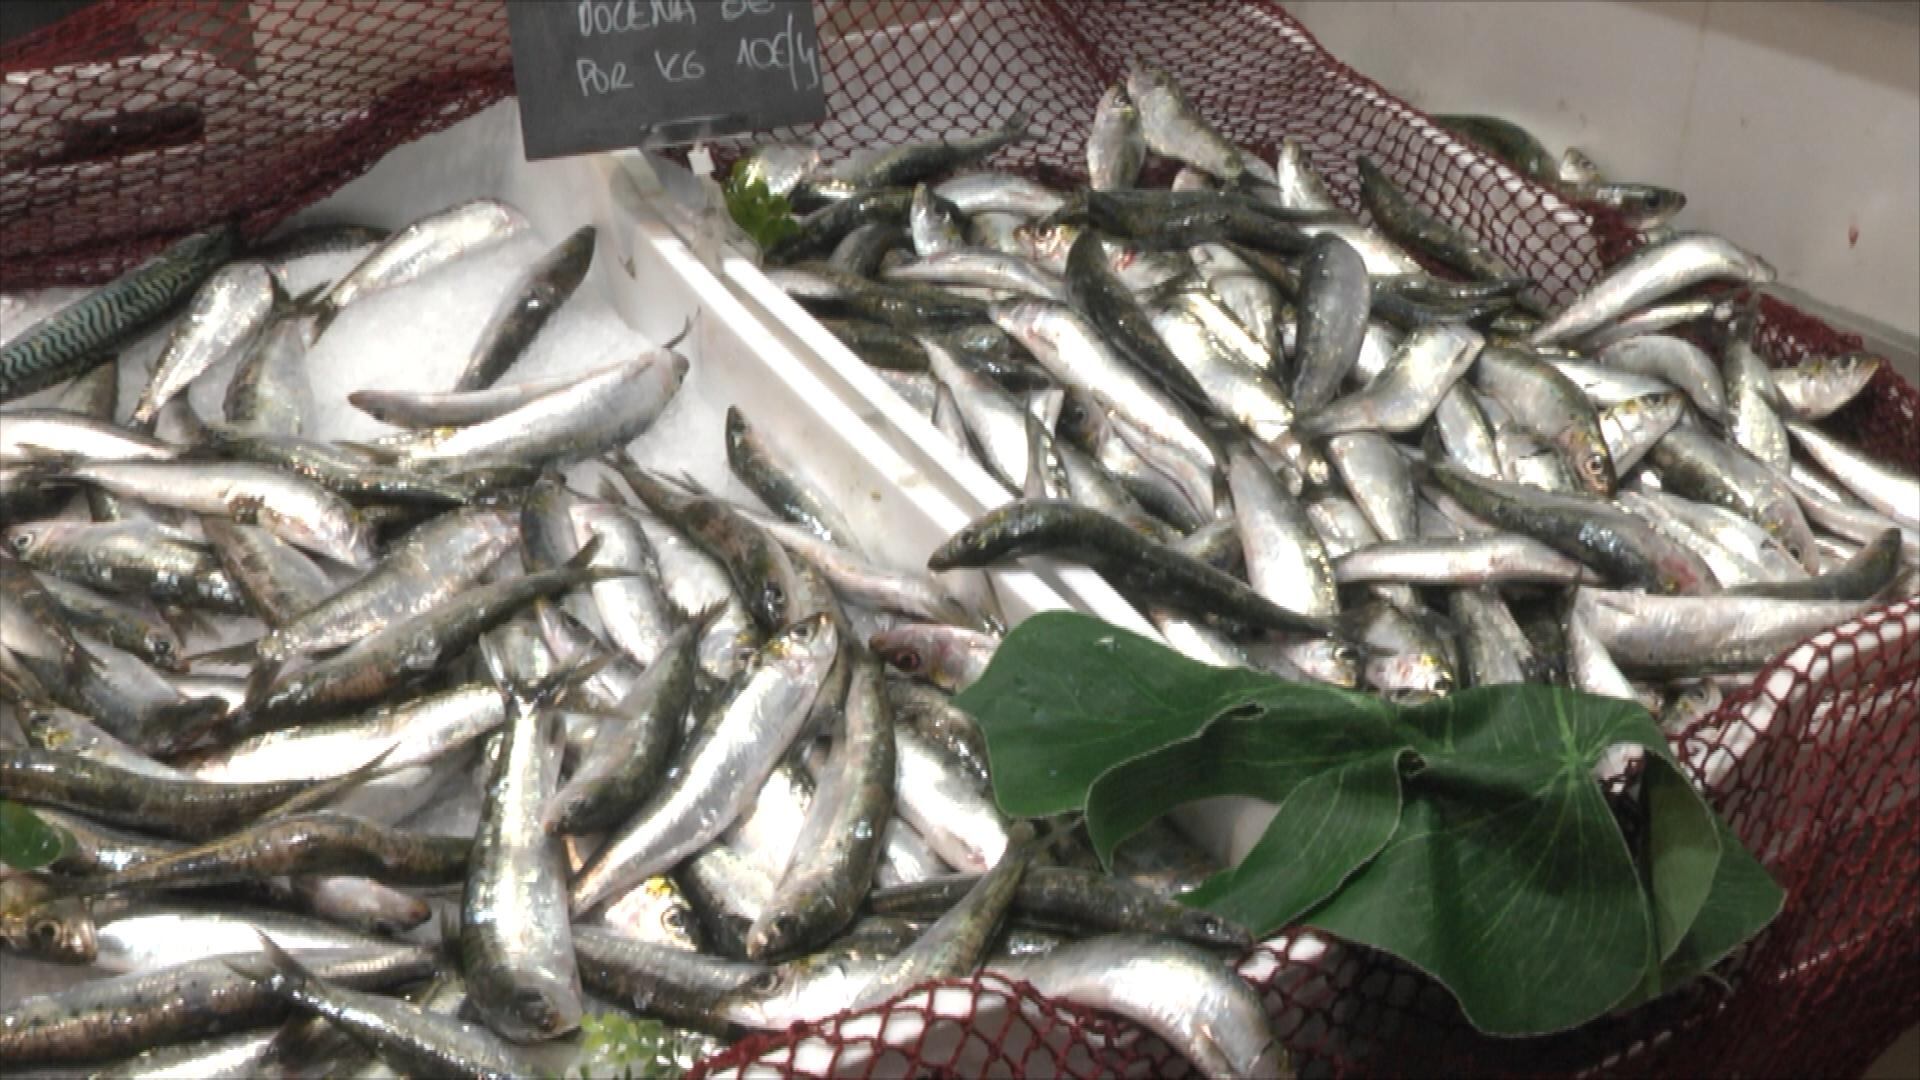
134,122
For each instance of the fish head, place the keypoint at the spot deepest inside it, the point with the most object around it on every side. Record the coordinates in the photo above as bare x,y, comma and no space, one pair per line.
48,727
1046,245
1145,80
23,540
1409,678
1586,452
1003,533
36,922
806,642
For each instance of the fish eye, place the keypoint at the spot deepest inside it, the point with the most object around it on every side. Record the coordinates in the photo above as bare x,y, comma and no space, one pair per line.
18,542
675,920
46,932
1595,464
906,659
1795,551
1346,654
162,649
775,596
1846,363
764,983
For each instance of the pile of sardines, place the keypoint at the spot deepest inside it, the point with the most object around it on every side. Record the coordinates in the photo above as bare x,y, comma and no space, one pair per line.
403,756
1364,452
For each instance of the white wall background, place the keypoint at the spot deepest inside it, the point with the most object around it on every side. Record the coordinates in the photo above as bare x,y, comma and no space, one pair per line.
1794,128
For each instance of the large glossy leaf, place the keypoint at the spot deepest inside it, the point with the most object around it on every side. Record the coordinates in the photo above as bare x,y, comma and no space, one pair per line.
1083,697
1468,836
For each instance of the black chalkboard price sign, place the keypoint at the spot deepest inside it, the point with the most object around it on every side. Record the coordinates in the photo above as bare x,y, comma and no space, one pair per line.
605,74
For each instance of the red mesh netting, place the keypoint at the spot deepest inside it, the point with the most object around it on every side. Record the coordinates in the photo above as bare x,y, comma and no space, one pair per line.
134,122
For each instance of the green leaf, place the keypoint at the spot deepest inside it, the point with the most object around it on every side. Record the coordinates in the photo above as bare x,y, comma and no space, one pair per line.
26,842
1683,851
1741,902
1467,836
766,217
1328,827
1509,880
1262,744
1055,719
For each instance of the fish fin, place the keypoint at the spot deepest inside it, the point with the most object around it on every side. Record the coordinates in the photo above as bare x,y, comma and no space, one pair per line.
325,791
686,327
583,558
273,965
557,685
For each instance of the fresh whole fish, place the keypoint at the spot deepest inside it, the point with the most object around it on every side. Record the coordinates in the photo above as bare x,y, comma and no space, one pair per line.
1651,274
1335,296
28,435
1075,353
426,410
1674,360
936,227
787,492
1886,488
297,510
1136,564
79,337
526,308
622,767
633,609
516,950
1701,635
1397,214
317,843
913,163
1110,307
225,312
133,556
112,1018
946,805
1173,128
981,269
425,245
1166,987
731,754
1485,559
839,848
1296,185
412,1039
1705,468
1080,899
429,567
122,622
1244,394
1285,560
1582,527
407,650
1376,475
1544,402
1116,147
979,193
1401,398
580,421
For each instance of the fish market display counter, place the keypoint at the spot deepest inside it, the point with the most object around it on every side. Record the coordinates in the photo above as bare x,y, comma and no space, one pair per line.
1154,313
